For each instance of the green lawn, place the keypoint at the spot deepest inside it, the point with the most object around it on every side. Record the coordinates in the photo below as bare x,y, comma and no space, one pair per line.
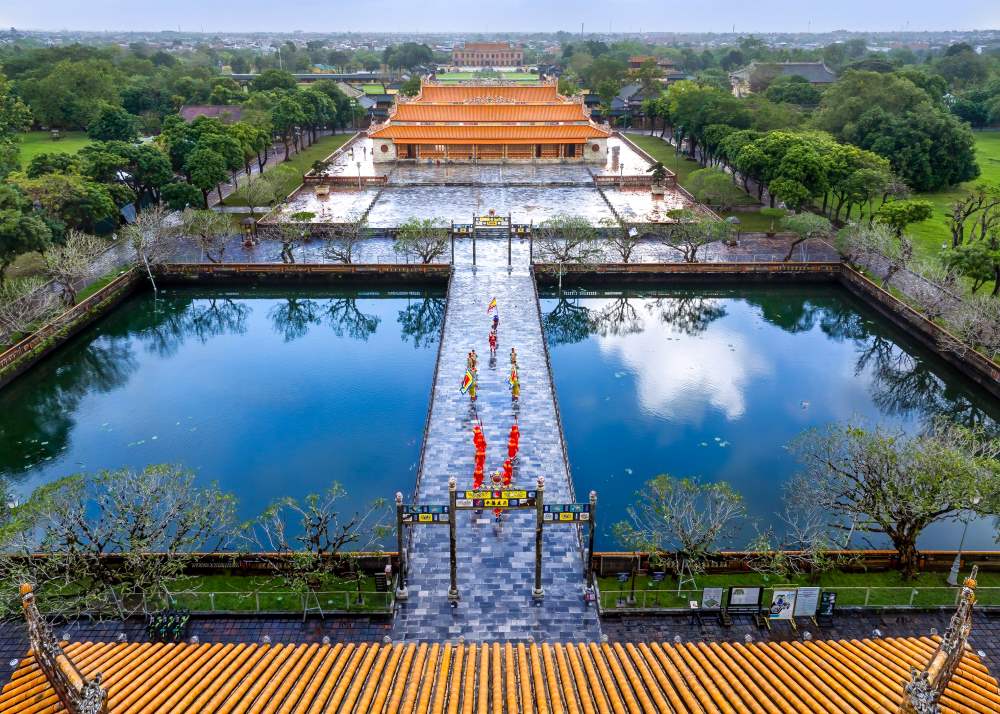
373,89
240,593
664,153
34,143
931,589
301,163
930,235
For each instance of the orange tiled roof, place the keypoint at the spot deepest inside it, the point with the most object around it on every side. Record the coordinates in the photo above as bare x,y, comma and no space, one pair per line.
817,676
487,134
419,111
471,92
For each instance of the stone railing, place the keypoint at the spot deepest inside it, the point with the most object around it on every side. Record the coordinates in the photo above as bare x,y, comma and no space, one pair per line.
50,336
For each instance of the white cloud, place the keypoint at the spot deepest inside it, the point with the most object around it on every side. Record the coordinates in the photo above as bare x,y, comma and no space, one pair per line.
679,377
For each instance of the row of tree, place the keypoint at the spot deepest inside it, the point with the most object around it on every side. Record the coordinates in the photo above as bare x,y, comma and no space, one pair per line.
857,483
115,543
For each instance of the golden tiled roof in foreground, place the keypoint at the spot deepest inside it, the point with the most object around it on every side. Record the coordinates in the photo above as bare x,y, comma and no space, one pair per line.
817,676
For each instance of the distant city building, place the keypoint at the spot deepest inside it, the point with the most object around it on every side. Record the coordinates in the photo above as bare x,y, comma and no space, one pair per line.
488,54
816,73
227,113
481,121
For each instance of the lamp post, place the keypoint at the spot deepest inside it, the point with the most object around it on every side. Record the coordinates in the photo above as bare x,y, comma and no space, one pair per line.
957,563
359,175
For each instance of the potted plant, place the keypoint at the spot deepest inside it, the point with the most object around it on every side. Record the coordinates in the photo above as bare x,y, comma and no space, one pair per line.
659,172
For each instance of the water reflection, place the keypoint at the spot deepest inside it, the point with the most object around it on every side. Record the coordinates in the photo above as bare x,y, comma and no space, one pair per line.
717,381
131,386
421,321
38,422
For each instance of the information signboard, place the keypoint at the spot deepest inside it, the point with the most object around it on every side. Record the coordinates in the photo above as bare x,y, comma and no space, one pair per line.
827,604
492,221
565,512
782,604
711,599
500,498
806,602
743,598
426,514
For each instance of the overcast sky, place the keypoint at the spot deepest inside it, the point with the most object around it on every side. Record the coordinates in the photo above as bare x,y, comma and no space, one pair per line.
500,15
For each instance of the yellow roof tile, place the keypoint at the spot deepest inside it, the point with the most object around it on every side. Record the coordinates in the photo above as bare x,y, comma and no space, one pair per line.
827,676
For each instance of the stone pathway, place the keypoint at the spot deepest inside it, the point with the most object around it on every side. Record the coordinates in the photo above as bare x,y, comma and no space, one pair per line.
495,564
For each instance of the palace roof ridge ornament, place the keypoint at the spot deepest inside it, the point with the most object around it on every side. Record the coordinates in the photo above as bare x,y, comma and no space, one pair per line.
923,691
77,693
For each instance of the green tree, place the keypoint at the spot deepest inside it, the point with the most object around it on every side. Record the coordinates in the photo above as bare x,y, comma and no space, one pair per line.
899,214
76,201
20,230
70,95
15,117
411,87
872,480
423,238
179,195
271,79
207,170
715,188
805,226
112,123
286,117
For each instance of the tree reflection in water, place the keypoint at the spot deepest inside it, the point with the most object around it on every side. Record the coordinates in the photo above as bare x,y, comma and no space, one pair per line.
345,318
292,317
41,411
618,318
689,314
568,323
421,320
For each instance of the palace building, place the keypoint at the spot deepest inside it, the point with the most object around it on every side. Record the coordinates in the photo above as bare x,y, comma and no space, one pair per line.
491,122
488,54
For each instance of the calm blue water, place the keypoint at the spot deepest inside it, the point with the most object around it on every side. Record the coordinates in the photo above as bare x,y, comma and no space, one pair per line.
715,382
269,394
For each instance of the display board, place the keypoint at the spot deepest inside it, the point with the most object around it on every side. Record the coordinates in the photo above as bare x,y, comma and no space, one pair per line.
565,512
426,514
782,604
711,599
806,602
499,498
744,598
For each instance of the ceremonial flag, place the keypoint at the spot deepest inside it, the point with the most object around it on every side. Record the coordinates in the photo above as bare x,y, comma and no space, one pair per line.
492,306
466,381
512,377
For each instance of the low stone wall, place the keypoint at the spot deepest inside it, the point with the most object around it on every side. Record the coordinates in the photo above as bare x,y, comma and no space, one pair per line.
35,347
322,273
644,273
611,563
976,366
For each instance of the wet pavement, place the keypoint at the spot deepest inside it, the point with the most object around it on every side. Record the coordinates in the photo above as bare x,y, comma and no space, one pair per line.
455,192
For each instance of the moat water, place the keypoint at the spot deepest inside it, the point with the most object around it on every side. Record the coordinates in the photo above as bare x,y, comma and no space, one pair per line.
716,382
268,393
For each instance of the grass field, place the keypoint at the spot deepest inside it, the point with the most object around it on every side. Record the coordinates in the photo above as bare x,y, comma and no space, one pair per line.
301,162
888,588
34,143
930,235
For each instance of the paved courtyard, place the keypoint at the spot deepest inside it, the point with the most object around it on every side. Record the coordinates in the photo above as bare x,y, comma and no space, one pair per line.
455,192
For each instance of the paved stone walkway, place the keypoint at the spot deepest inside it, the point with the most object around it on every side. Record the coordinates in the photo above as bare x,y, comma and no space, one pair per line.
495,564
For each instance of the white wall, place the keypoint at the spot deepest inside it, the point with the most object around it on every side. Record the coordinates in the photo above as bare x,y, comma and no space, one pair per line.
601,154
380,154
